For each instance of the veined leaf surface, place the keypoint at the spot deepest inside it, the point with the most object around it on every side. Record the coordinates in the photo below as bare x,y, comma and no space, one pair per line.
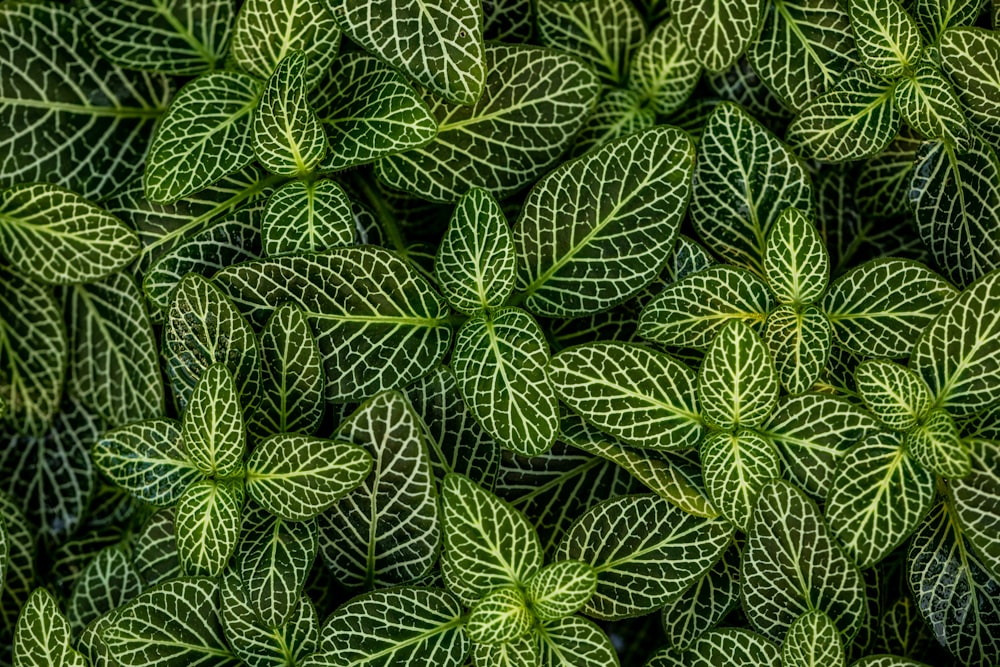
288,137
896,395
812,641
107,582
304,217
702,606
42,637
664,70
928,104
718,31
737,383
799,342
971,59
936,446
736,466
212,426
933,16
208,525
576,642
887,37
977,503
561,589
523,652
501,616
19,578
796,262
155,549
735,647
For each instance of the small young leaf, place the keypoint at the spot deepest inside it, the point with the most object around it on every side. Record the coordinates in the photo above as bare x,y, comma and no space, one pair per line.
501,616
737,383
664,69
935,446
718,31
576,642
303,217
737,465
796,262
618,113
928,104
212,426
887,37
288,137
812,641
42,637
894,393
799,341
208,525
561,589
971,59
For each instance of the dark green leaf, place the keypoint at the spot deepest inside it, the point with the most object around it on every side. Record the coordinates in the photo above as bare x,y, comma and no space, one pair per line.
702,606
288,137
664,69
733,647
42,637
208,525
305,216
977,503
971,58
718,31
887,37
737,383
736,466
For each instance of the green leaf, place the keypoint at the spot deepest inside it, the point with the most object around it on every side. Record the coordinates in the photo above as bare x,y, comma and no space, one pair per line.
576,642
172,36
971,59
487,543
740,85
804,47
208,525
744,179
107,582
976,499
523,652
618,113
268,30
369,310
664,70
934,16
936,447
297,476
596,230
174,624
82,123
718,31
955,195
155,549
799,341
704,605
303,217
212,426
561,589
646,553
855,119
737,465
19,579
692,311
439,45
886,661
644,397
499,362
533,104
204,328
4,550
476,262
737,383
292,379
927,103
796,262
42,637
204,135
812,641
501,616
288,137
147,459
877,498
887,37
956,353
603,35
114,368
896,395
791,565
883,182
734,647
55,236
882,306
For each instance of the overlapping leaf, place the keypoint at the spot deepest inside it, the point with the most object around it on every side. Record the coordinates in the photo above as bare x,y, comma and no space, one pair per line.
927,103
812,641
304,217
971,59
799,342
718,31
702,606
575,641
288,137
212,426
887,37
19,578
618,113
796,262
664,70
501,616
737,383
736,647
42,637
561,589
936,447
736,466
107,582
894,393
208,525
977,503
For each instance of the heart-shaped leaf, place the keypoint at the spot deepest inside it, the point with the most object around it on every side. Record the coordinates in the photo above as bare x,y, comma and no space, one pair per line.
737,465
887,37
207,522
718,31
602,35
288,137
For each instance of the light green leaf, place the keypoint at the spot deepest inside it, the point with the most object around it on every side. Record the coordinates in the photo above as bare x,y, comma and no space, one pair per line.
204,135
644,397
297,476
107,582
646,553
882,306
42,637
603,35
524,652
799,341
208,525
476,262
744,179
734,647
369,310
268,30
976,499
896,395
148,460
561,589
618,113
437,44
887,37
664,69
395,626
855,119
935,446
533,104
928,104
307,216
955,195
737,383
596,230
288,137
791,565
878,498
155,549
501,616
934,16
702,606
174,624
499,362
692,311
804,47
971,59
718,31
796,262
212,426
82,123
19,579
812,641
736,467
576,642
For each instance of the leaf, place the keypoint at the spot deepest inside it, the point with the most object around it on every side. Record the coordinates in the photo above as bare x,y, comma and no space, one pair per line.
896,395
173,624
523,652
664,69
296,476
212,426
576,642
70,119
803,49
365,294
55,236
877,499
114,368
208,525
737,383
736,647
268,30
443,45
499,362
304,217
741,85
155,549
204,328
855,119
812,641
532,105
292,379
288,137
596,230
977,508
936,447
955,196
799,342
887,37
203,136
702,606
644,397
501,616
601,35
645,551
791,565
387,530
927,103
147,459
107,582
736,466
882,306
19,578
561,589
42,637
744,179
718,31
369,111
692,311
487,543
971,59
883,182
476,262
796,262
886,661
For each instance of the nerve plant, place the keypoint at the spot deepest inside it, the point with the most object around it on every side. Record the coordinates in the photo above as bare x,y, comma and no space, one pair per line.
544,334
